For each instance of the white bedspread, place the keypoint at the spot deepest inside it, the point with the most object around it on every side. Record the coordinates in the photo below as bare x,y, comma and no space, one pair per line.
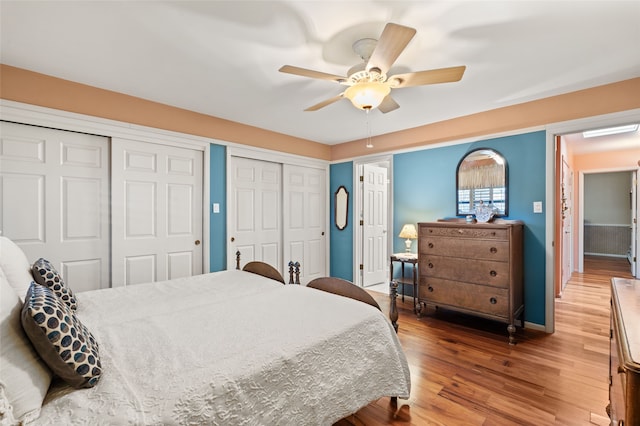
231,348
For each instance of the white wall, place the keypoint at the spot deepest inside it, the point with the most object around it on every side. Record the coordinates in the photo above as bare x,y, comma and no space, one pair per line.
606,198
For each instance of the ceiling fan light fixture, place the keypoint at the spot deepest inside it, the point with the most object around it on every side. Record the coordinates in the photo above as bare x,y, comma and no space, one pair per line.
367,95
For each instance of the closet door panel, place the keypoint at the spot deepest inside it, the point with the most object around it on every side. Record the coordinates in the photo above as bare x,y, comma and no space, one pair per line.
255,212
54,186
305,220
156,212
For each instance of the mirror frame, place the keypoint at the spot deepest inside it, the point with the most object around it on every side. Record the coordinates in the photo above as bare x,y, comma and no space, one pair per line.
506,182
341,207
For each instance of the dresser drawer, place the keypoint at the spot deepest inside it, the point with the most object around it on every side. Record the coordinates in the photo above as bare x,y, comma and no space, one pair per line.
470,249
483,272
478,298
468,231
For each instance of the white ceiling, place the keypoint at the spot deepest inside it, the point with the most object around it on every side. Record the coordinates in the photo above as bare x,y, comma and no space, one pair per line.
222,57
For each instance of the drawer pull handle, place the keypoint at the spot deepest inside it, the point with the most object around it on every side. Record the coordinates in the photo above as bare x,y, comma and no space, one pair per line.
493,234
430,289
493,250
430,245
460,231
493,300
493,273
430,265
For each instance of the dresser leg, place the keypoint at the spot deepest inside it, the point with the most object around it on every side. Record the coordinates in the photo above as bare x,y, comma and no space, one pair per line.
512,330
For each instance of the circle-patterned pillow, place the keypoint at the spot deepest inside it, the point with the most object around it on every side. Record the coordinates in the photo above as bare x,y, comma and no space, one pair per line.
46,274
63,342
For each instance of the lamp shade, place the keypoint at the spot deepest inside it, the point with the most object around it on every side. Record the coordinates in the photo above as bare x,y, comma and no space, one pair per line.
367,95
409,231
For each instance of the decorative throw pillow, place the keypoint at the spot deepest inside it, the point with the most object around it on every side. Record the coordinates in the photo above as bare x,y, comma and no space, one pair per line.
64,343
45,274
16,266
24,377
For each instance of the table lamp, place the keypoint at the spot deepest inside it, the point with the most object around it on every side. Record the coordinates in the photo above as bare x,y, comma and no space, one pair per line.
409,232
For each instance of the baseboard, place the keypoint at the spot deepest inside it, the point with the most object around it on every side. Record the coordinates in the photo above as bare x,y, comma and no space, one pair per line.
534,326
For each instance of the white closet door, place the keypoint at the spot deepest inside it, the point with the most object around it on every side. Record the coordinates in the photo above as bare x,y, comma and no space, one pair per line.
156,212
255,212
305,220
54,187
374,251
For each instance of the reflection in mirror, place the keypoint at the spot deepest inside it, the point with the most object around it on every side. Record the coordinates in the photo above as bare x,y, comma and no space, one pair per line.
341,207
482,180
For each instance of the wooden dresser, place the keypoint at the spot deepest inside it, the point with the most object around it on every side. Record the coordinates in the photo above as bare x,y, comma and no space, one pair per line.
624,360
475,268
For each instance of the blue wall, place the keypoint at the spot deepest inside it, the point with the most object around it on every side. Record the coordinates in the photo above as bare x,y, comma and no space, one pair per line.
218,221
341,241
424,190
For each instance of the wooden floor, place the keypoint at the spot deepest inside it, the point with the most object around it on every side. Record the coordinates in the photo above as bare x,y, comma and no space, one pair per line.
463,371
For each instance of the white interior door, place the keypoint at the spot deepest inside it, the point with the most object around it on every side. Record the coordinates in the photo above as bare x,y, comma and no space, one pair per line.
304,207
255,212
635,230
156,213
54,187
375,199
567,221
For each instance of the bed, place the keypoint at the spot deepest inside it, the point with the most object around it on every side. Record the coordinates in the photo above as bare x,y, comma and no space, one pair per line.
227,348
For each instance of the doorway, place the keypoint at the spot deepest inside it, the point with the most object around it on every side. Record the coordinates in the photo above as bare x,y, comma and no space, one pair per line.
373,212
558,143
609,209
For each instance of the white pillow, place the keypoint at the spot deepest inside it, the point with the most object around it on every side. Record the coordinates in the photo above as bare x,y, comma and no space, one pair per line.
24,377
16,266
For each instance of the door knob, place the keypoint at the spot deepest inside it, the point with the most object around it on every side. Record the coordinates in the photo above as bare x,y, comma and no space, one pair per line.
232,239
197,242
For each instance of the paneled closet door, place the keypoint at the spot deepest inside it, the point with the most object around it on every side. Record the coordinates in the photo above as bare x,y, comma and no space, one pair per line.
255,212
156,212
304,200
54,188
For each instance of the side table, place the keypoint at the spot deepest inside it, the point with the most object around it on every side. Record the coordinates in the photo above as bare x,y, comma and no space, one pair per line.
412,259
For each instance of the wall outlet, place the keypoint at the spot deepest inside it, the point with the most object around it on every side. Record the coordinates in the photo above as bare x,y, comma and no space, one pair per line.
537,206
215,207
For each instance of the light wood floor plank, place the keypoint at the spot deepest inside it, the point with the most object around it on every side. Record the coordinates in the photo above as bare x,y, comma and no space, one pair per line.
465,373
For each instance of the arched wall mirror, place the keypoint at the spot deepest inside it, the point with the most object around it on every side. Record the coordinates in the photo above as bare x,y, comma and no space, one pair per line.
341,204
481,179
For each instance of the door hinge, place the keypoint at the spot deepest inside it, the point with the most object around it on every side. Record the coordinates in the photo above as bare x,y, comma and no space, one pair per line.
362,178
361,222
361,267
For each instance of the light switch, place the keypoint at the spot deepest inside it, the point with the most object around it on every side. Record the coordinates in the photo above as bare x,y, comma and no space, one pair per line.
216,207
537,206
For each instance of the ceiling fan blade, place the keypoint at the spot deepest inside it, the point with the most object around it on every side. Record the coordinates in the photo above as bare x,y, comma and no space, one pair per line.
289,69
420,78
393,40
325,102
388,104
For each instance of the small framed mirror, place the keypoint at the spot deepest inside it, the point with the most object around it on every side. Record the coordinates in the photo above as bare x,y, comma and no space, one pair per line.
341,204
481,180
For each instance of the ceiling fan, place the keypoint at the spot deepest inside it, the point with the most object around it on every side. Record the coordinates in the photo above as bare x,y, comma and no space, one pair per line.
369,86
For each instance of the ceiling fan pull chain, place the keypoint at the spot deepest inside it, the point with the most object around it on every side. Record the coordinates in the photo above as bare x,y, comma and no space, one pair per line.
369,144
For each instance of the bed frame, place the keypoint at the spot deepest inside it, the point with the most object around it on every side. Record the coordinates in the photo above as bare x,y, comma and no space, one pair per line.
294,278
